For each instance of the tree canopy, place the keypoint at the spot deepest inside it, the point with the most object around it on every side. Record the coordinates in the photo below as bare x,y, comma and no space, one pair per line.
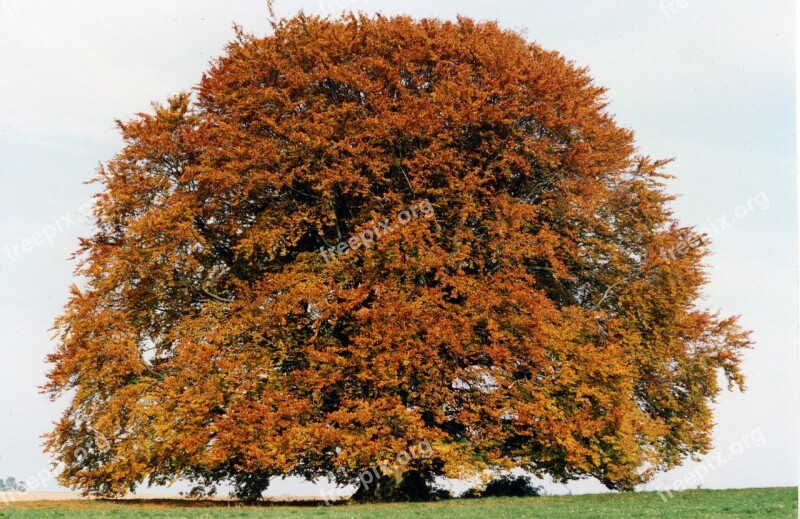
536,316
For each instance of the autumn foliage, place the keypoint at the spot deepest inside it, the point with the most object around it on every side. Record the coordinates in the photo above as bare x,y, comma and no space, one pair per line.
538,318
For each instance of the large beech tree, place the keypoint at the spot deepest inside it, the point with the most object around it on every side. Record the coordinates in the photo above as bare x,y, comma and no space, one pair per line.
544,317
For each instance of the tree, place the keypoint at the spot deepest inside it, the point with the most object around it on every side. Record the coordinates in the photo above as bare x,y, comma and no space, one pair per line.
506,485
532,303
12,485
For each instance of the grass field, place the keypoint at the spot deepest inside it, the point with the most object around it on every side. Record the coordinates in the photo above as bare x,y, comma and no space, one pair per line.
751,503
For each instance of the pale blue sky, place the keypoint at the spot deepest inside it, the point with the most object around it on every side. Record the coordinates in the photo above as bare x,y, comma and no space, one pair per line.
710,82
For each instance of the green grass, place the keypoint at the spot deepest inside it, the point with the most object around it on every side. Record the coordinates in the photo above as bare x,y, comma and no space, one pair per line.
754,503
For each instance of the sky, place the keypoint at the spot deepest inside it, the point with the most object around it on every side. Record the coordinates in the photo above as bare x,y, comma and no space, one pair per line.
708,82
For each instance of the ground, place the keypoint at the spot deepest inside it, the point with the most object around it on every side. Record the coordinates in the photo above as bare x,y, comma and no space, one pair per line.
746,503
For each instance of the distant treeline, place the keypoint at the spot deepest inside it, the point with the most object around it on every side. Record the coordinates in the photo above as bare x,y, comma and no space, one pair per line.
10,484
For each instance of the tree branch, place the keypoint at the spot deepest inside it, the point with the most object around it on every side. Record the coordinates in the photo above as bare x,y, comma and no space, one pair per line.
216,297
